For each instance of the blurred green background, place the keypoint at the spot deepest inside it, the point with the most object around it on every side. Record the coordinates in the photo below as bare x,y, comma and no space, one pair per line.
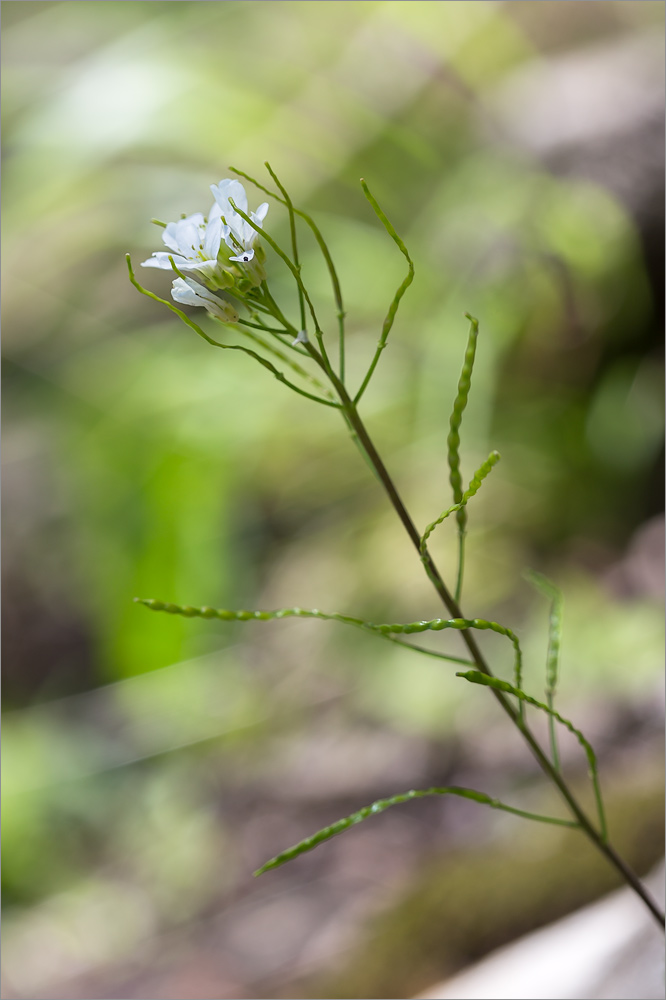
152,762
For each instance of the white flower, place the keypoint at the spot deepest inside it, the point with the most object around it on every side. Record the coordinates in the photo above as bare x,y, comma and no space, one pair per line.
236,232
193,244
191,293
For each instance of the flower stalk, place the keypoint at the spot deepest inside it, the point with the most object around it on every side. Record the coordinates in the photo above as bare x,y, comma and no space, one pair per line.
219,260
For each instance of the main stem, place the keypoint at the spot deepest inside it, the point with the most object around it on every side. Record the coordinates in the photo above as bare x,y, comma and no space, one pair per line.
354,420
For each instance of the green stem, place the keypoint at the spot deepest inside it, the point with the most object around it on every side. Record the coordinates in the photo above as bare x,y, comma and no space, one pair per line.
295,272
295,367
351,414
393,308
266,329
552,734
461,564
294,244
273,308
321,242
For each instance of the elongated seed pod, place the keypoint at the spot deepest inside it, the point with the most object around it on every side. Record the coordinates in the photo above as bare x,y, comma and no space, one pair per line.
554,594
549,590
395,302
384,631
378,807
476,677
472,490
455,421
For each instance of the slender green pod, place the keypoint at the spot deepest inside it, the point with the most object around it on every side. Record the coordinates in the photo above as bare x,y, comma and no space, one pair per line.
453,443
455,420
472,490
388,631
476,677
321,242
437,624
294,242
224,614
337,291
549,590
296,272
382,804
225,347
393,308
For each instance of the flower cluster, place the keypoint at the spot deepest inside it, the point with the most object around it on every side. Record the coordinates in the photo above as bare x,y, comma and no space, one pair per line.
213,253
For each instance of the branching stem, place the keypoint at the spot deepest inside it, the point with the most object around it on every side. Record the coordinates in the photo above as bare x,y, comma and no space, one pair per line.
352,418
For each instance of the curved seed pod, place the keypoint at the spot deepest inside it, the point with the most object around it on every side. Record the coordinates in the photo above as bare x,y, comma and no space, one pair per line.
263,616
321,242
472,490
378,807
294,242
476,677
549,590
387,631
437,624
455,421
393,308
296,273
337,292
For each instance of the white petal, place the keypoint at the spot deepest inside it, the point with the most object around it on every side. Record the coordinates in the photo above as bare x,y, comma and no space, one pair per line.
203,267
192,293
236,235
214,213
182,291
176,232
169,238
189,293
229,189
183,236
161,259
213,238
245,233
244,257
260,214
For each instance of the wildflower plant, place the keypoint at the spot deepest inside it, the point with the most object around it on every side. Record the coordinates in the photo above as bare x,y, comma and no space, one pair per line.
218,262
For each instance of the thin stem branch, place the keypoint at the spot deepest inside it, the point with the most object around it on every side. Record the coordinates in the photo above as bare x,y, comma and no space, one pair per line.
351,415
461,564
321,242
295,367
294,244
295,272
554,752
393,308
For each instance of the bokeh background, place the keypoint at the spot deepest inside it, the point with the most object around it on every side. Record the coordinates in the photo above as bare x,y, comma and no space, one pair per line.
151,763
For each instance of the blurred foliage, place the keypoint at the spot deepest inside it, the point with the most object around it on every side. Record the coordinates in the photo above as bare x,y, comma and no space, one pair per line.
138,462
